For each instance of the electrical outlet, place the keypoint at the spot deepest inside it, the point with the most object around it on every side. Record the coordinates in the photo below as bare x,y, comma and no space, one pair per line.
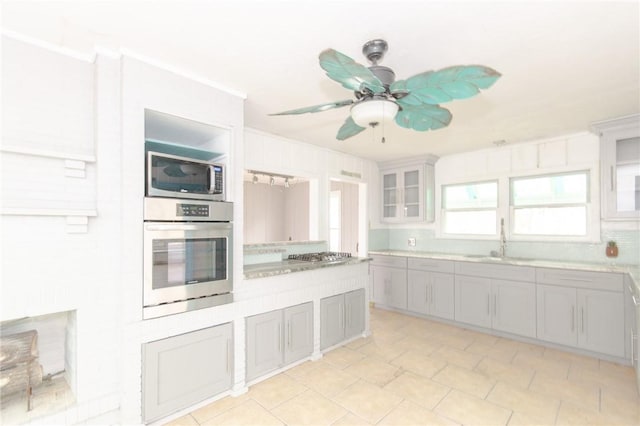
412,242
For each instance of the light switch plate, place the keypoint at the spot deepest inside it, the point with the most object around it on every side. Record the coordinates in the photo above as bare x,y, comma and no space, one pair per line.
412,242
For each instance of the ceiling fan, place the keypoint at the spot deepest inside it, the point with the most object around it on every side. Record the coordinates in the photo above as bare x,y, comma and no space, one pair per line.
414,102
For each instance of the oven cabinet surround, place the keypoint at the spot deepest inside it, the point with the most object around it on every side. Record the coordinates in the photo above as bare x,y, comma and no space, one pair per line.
142,86
389,278
407,190
182,370
278,338
341,317
501,297
431,287
582,309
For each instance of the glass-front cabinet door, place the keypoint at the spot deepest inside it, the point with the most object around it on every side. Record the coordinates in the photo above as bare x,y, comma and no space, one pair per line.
403,194
389,195
620,161
412,193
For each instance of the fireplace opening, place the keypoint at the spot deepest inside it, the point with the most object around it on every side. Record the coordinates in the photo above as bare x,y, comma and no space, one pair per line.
37,366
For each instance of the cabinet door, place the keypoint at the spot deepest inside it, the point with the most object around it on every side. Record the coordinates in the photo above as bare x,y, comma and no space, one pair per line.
620,165
514,307
331,321
355,306
418,291
183,370
601,321
264,343
441,297
557,314
390,286
298,322
472,297
390,195
412,194
397,288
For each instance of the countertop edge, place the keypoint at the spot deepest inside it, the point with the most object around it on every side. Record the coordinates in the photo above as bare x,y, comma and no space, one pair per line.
272,271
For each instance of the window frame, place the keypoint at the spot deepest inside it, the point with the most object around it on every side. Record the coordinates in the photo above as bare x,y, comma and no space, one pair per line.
443,211
592,231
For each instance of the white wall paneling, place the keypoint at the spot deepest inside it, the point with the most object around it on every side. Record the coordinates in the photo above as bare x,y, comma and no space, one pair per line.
47,100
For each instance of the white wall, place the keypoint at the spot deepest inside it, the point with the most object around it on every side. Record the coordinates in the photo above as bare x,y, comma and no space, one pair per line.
275,154
275,213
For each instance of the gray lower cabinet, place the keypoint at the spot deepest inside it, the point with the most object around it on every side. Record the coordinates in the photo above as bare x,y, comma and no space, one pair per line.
583,318
430,287
341,317
389,275
431,293
182,370
583,309
278,338
503,305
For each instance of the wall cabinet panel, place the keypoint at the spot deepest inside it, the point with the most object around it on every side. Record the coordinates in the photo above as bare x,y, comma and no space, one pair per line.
341,317
278,338
182,370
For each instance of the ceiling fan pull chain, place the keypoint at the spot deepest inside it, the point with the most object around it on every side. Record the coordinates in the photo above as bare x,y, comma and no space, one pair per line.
383,123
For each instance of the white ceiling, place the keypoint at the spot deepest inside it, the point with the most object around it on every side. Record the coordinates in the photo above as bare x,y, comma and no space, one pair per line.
564,64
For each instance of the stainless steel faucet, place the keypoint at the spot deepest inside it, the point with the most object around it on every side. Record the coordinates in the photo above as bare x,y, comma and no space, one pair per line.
503,239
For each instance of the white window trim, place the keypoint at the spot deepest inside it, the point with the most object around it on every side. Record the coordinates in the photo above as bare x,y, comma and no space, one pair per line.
505,210
440,213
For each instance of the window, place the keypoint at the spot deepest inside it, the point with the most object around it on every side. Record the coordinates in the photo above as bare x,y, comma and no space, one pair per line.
470,208
551,205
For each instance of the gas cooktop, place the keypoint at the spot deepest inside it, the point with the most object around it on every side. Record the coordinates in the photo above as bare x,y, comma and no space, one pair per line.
325,256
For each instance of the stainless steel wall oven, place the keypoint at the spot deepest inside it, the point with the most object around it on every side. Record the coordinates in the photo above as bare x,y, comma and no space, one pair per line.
188,255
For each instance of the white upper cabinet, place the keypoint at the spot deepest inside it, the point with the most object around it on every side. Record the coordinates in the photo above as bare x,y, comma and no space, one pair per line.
407,191
620,165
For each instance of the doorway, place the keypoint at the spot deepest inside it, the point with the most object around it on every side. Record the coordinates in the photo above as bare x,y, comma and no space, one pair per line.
344,217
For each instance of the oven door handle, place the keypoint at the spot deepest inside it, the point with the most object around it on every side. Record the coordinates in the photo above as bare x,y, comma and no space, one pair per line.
187,227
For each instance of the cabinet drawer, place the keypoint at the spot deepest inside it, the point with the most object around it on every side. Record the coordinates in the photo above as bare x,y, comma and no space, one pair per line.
393,261
434,265
610,281
503,272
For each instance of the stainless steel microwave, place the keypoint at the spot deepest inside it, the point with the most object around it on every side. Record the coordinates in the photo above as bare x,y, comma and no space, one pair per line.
181,177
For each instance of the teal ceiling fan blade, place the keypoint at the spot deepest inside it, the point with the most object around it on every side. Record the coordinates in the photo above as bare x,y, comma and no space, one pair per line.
316,108
349,73
423,118
436,87
348,129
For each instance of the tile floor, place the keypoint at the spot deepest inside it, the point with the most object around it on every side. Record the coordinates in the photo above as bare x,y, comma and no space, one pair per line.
417,372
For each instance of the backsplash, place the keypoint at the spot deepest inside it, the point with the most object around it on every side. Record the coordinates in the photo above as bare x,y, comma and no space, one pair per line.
628,242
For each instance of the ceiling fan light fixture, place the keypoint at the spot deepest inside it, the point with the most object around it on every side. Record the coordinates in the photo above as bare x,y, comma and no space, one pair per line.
373,111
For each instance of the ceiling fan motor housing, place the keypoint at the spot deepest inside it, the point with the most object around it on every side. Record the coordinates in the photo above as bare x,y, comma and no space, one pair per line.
384,74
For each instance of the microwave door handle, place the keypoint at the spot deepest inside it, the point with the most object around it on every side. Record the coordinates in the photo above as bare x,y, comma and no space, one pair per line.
212,179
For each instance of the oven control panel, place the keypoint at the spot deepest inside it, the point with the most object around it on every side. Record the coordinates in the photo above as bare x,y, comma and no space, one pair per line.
192,210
